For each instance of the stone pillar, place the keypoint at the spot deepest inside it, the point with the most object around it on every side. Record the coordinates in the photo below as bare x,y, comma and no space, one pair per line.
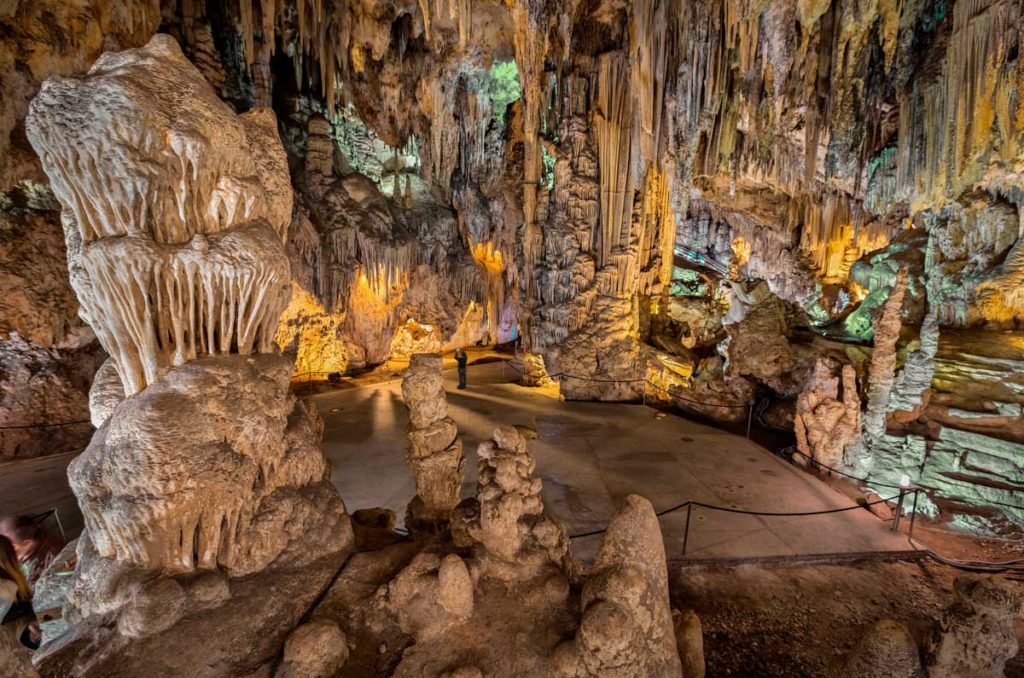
435,450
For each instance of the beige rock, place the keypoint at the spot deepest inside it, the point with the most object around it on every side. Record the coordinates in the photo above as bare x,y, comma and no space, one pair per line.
975,637
506,524
107,392
435,451
317,649
153,609
690,642
429,596
534,371
825,423
627,627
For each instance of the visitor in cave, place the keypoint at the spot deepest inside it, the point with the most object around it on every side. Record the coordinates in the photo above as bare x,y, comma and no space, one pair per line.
15,597
34,544
462,359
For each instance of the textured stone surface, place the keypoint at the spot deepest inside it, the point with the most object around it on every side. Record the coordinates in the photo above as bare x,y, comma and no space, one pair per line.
886,648
627,626
975,637
505,525
228,464
435,451
825,423
207,203
317,649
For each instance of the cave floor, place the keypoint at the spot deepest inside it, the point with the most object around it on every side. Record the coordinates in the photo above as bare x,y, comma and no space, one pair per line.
590,454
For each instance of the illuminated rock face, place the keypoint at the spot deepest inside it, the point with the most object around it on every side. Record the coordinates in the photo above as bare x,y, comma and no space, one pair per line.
506,525
825,423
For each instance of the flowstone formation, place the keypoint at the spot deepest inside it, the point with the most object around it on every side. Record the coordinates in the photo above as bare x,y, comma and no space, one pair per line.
827,423
435,450
206,482
975,637
177,248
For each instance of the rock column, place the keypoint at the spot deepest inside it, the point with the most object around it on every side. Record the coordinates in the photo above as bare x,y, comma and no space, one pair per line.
435,450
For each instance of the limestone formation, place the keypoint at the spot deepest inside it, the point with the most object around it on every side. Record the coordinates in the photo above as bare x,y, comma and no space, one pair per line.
882,372
975,637
229,467
174,209
505,525
690,641
204,467
317,649
435,450
627,627
534,372
886,648
430,595
826,424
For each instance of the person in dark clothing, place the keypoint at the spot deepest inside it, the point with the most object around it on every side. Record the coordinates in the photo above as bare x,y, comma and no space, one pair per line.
462,359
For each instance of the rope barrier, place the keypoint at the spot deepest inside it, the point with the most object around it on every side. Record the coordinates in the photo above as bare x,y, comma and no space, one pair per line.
727,509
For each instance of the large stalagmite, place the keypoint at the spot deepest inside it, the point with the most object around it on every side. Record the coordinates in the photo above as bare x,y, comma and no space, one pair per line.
175,211
435,450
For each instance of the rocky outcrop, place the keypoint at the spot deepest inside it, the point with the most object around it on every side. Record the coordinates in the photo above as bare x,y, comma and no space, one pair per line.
435,450
506,526
627,626
204,270
317,649
207,481
975,637
826,424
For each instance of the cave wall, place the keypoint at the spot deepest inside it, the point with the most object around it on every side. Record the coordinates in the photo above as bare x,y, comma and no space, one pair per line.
48,356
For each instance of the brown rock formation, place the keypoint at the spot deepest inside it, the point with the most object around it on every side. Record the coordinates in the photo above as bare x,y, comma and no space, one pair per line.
435,450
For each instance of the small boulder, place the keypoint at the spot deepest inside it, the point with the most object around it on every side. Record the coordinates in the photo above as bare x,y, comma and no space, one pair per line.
317,649
886,649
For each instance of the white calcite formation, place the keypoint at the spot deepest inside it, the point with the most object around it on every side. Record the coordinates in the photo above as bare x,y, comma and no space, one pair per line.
435,450
205,473
175,210
214,465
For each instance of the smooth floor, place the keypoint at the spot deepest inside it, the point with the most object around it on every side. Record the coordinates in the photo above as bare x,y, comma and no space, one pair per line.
589,455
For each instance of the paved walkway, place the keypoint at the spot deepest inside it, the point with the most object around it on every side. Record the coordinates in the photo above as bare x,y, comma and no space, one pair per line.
590,454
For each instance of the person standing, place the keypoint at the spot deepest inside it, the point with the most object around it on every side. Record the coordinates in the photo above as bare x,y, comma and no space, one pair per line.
462,359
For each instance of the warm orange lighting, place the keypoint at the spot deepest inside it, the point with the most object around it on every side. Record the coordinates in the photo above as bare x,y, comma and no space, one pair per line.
858,292
487,256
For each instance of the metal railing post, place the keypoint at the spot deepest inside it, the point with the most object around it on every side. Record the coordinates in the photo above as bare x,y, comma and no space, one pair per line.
686,530
913,515
899,511
750,418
